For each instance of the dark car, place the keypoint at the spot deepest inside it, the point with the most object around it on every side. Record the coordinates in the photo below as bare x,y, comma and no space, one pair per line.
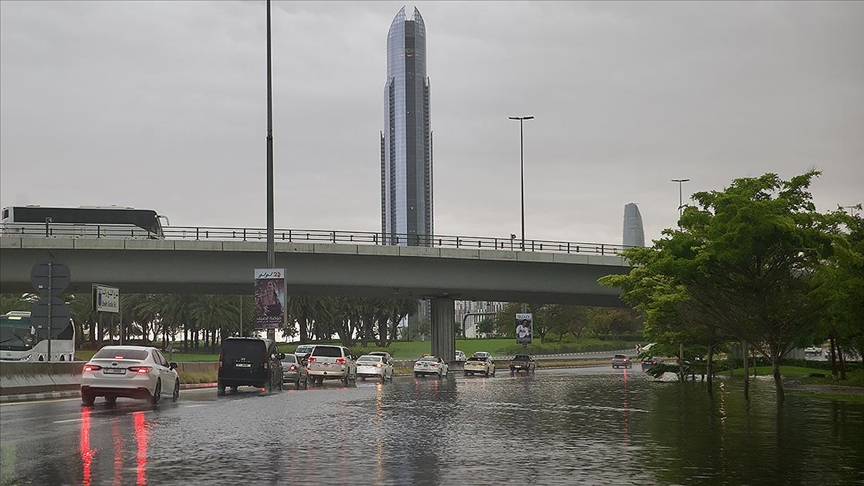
522,362
249,361
648,362
294,371
621,361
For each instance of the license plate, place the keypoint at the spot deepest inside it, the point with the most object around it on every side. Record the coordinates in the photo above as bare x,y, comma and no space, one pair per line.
425,365
243,365
114,371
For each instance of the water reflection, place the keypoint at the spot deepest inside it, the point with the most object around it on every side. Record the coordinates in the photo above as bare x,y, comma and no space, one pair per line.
124,428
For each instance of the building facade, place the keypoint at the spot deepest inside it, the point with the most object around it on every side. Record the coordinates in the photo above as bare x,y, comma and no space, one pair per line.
406,141
634,234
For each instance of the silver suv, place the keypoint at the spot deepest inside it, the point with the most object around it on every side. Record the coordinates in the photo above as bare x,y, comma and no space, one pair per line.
331,362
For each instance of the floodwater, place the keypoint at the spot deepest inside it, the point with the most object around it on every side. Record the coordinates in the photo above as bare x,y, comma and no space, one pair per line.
574,426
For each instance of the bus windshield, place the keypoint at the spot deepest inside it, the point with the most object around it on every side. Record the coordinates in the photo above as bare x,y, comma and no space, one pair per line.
16,333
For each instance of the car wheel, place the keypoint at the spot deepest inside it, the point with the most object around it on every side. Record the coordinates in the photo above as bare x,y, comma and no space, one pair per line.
111,400
176,395
157,393
88,398
220,389
416,375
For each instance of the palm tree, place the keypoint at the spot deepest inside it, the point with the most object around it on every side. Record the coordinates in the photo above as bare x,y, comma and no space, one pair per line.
215,311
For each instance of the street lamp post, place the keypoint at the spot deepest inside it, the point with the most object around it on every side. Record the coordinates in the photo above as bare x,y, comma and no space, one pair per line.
680,195
522,170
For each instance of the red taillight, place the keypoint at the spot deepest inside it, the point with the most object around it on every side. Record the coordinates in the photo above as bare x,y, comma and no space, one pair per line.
293,368
140,369
434,365
311,359
340,360
89,368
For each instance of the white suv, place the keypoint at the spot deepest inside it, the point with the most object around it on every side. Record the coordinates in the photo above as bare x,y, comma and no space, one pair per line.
330,362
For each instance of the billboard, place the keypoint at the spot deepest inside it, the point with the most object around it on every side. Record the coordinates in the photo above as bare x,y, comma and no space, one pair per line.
269,298
106,299
524,328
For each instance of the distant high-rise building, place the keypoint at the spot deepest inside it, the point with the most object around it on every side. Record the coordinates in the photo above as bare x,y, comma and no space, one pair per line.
634,235
406,142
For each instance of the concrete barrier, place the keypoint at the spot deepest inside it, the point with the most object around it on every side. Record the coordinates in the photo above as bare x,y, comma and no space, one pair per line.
39,377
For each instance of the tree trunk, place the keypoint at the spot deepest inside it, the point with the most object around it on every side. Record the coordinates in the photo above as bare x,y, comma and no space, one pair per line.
778,380
746,352
681,376
709,368
842,360
833,342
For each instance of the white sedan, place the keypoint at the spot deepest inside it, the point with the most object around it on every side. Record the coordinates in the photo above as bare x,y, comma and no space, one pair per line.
131,372
430,365
374,366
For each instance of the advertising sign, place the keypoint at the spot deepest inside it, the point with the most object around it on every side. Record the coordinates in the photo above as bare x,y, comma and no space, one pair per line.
269,298
106,299
524,328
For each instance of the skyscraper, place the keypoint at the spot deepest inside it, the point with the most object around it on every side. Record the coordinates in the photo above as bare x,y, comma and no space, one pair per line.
406,142
634,235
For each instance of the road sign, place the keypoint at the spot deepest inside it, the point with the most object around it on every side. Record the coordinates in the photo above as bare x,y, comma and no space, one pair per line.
60,315
55,271
106,299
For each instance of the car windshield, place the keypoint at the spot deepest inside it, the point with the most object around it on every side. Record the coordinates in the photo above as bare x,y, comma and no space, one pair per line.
522,357
428,358
290,358
121,353
303,349
369,359
620,356
476,358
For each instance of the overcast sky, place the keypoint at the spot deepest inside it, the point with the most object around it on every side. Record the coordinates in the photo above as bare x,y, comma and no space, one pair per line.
162,105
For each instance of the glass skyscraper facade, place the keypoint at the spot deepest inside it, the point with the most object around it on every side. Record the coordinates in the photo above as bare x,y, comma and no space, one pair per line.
406,141
634,234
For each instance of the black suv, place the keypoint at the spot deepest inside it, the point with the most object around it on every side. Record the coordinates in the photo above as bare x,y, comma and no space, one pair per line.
248,361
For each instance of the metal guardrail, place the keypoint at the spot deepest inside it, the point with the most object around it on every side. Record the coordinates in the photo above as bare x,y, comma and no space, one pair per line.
215,233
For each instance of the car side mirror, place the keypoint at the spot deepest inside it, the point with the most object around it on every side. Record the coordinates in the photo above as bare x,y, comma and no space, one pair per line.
172,365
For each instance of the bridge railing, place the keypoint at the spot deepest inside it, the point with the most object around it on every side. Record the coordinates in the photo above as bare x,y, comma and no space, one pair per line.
211,233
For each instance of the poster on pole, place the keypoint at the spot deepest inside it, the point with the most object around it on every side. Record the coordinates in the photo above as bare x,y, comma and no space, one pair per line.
106,299
524,328
269,298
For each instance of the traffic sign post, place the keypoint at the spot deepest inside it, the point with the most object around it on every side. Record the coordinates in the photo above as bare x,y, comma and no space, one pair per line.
49,277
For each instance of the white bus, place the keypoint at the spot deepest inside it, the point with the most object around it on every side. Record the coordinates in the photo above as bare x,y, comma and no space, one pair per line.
20,340
83,222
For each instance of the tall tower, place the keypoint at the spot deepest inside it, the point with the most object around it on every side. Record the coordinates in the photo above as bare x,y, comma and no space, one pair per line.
406,142
634,235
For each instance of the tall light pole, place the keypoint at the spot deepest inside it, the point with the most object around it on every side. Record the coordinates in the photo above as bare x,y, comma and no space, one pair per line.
522,170
271,245
680,195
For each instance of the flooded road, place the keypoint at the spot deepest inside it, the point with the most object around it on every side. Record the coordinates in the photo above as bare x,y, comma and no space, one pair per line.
569,426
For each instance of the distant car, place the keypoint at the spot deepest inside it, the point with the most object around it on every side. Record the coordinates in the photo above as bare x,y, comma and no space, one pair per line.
249,361
621,361
431,365
374,366
482,354
813,350
387,358
522,362
131,372
331,362
460,356
294,371
648,362
480,364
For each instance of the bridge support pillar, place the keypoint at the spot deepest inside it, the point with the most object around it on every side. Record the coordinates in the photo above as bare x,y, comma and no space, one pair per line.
443,328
